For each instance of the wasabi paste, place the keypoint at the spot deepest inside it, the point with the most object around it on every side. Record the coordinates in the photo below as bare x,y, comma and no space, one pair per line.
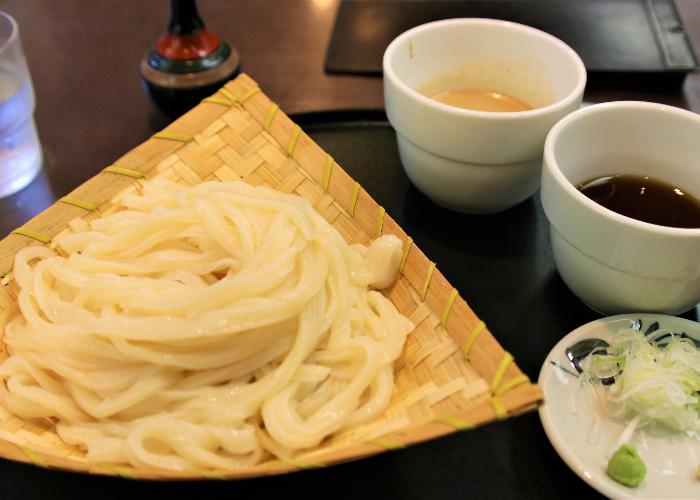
627,467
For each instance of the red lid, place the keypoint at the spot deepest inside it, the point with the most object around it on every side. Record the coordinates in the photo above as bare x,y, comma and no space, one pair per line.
190,46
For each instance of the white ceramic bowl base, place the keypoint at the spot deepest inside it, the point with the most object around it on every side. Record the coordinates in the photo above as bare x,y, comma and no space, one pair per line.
609,290
469,187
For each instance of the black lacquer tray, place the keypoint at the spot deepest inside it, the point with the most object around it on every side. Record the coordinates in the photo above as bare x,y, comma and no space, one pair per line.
502,264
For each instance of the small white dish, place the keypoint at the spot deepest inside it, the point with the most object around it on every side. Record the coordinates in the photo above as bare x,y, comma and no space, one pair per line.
672,459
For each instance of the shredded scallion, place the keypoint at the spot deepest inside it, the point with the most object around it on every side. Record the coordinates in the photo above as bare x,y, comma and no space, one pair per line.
653,383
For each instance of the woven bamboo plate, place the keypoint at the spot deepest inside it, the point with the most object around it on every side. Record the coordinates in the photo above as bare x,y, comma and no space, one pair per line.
453,374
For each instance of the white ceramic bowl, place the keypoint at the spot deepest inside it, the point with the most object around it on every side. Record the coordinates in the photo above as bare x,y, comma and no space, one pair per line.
616,264
475,161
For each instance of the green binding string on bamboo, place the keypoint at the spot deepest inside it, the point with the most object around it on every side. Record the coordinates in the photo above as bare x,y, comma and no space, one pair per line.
172,136
353,199
512,384
325,182
406,248
76,202
457,423
301,464
499,408
471,338
499,388
293,140
113,169
34,457
380,222
219,100
448,307
212,474
247,95
120,470
270,116
228,94
501,371
426,282
387,444
30,233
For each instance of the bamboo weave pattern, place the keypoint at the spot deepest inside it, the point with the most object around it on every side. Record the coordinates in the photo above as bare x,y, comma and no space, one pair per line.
453,374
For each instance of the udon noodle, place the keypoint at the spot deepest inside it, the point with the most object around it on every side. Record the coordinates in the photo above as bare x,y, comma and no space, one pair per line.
209,326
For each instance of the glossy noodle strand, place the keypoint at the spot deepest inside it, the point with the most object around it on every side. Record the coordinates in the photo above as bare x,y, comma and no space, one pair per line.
215,326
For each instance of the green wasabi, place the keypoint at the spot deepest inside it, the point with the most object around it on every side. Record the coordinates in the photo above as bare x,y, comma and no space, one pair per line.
627,467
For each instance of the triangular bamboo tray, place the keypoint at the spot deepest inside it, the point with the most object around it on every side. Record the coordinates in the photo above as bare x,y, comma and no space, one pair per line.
453,374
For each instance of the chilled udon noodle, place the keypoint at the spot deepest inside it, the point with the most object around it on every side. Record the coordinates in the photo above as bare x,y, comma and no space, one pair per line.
207,326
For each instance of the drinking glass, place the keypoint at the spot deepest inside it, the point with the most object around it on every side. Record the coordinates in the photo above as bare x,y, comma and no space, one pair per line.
20,151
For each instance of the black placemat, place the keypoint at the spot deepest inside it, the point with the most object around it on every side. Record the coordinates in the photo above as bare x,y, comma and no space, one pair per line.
639,41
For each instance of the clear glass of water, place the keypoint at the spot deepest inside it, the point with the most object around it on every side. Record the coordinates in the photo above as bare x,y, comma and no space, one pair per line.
20,151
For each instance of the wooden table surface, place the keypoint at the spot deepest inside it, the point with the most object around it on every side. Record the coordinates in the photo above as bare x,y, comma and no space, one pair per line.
84,57
91,109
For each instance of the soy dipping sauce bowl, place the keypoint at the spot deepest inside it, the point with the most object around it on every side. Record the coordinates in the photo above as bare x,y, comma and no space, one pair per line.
613,263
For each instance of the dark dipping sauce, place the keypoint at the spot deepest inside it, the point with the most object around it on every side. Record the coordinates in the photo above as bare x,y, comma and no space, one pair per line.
646,199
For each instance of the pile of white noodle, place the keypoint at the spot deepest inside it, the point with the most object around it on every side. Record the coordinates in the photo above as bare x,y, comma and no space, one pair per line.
207,326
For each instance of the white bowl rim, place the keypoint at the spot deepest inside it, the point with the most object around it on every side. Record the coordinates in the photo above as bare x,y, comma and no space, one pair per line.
566,101
552,166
